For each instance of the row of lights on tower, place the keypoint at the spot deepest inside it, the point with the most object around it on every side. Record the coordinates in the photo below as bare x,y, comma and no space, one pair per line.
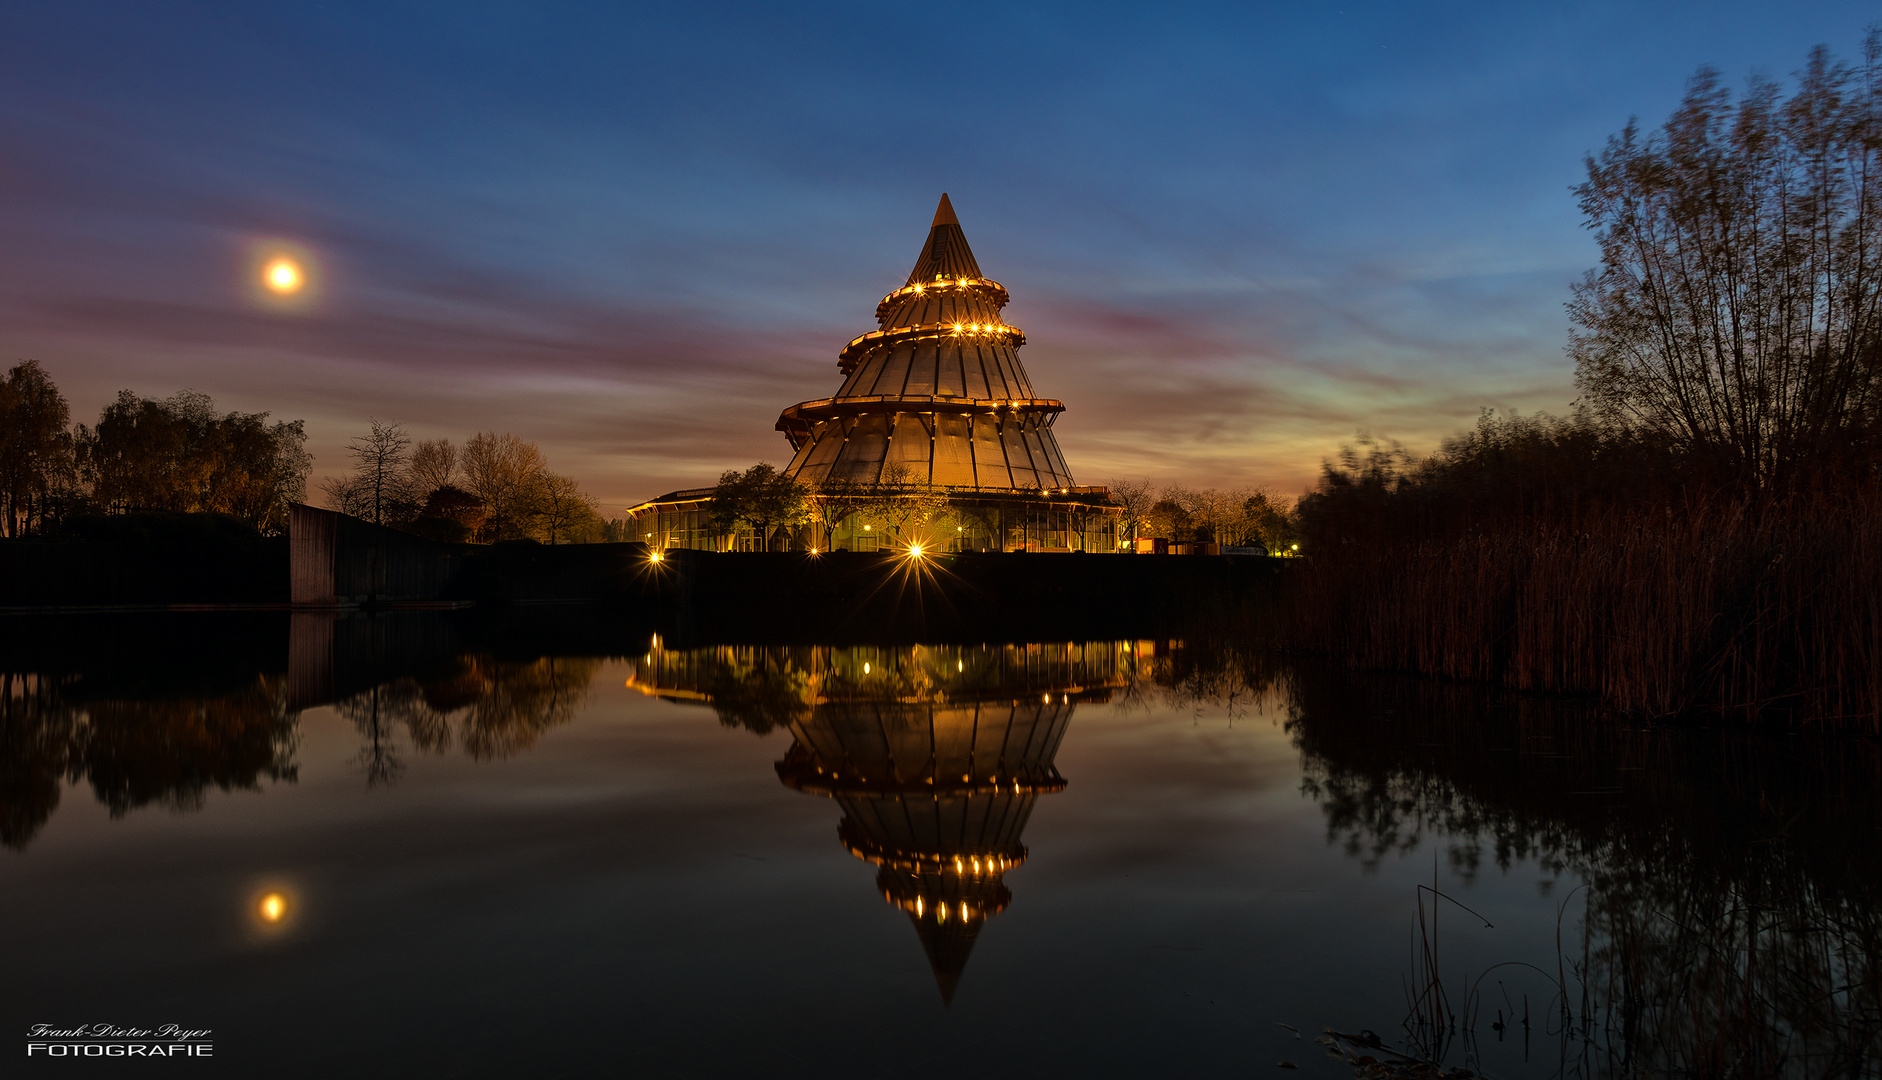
921,288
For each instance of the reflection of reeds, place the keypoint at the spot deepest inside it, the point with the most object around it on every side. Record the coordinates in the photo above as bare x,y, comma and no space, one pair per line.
1755,609
1688,978
1733,916
1760,974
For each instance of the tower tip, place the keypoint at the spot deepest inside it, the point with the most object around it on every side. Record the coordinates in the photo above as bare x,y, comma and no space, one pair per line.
948,981
944,214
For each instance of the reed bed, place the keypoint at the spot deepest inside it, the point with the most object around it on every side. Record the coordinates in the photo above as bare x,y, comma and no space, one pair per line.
1753,608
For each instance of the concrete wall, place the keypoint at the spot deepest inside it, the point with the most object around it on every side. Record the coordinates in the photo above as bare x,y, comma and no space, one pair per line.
340,560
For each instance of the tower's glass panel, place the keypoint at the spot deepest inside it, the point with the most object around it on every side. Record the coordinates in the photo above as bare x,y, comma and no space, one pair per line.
952,464
861,459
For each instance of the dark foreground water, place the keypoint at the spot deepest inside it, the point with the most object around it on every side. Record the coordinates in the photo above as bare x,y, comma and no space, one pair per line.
422,847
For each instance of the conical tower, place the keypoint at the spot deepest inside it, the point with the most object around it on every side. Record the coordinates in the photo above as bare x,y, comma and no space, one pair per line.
936,394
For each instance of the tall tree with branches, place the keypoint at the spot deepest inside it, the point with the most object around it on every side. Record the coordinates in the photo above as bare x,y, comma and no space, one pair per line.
505,472
380,488
831,500
1135,497
564,512
433,466
761,497
1737,310
35,447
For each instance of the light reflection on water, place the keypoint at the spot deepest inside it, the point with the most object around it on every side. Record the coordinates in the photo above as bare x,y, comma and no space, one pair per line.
1116,858
936,754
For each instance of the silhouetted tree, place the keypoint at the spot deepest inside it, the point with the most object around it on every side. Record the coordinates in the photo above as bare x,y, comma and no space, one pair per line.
564,513
36,461
504,472
1738,306
450,514
433,465
1169,518
381,488
761,497
1135,497
832,499
180,455
1266,522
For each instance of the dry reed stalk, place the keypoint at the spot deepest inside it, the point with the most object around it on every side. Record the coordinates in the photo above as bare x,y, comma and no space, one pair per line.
1757,611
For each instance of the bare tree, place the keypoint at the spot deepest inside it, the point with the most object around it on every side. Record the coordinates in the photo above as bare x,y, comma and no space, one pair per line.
564,512
433,465
1136,497
1737,310
503,471
832,499
1215,511
380,489
344,494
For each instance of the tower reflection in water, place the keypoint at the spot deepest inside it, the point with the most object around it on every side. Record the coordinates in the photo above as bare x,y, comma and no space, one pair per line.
936,754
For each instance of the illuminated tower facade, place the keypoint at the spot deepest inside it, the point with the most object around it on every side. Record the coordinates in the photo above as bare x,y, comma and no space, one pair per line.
936,394
934,404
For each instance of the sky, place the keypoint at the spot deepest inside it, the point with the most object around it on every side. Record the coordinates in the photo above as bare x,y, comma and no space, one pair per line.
1235,235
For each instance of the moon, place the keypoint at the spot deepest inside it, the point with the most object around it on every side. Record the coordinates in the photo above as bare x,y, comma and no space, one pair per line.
283,276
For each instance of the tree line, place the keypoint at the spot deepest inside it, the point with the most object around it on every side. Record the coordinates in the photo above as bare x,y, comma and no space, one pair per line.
492,488
180,455
1237,517
177,455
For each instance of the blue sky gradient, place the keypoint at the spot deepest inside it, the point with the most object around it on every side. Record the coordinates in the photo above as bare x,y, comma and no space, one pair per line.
1234,234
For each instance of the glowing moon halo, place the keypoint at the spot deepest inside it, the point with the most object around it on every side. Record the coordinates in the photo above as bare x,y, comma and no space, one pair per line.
283,276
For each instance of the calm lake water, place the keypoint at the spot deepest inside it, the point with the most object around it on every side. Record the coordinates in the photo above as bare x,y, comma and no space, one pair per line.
430,846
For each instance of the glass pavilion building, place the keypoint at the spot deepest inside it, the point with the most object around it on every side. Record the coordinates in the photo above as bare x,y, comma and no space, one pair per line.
934,403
